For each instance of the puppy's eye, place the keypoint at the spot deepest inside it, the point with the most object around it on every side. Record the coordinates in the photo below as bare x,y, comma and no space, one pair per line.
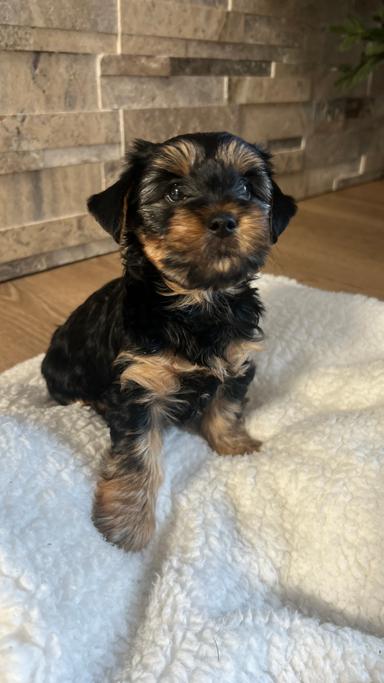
245,190
175,194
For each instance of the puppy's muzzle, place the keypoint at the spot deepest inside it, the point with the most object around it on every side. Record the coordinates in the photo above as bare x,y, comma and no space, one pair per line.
222,225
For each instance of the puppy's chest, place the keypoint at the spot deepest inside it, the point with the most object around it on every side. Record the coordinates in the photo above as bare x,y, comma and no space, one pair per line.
197,349
168,372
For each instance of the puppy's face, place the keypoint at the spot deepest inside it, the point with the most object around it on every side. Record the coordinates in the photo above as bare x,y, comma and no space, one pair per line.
201,207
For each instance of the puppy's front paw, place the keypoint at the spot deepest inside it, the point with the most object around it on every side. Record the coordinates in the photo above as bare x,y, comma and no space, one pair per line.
124,513
237,443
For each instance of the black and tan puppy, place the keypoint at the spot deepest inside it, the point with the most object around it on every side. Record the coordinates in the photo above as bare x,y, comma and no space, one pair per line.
169,341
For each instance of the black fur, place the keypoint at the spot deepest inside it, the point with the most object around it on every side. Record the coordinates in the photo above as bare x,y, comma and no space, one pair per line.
123,315
144,312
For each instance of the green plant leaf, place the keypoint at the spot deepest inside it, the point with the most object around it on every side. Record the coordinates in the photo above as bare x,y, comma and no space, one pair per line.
371,39
374,48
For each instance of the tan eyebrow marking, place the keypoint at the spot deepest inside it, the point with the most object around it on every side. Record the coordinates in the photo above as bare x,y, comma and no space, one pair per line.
178,157
236,154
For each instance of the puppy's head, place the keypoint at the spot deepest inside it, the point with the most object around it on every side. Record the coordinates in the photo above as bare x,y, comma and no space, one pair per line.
202,208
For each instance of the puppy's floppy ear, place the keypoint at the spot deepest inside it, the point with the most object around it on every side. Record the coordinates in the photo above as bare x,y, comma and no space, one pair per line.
282,210
110,207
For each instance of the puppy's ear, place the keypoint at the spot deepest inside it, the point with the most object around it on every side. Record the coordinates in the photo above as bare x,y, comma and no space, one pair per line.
282,210
110,207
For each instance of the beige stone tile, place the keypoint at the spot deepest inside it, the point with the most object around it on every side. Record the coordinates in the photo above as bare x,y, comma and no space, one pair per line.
39,82
324,179
180,20
84,15
286,144
294,184
27,240
112,170
49,193
335,148
253,90
296,10
15,162
323,76
358,179
26,132
32,38
288,162
344,112
374,162
178,91
272,31
160,124
135,65
59,257
274,121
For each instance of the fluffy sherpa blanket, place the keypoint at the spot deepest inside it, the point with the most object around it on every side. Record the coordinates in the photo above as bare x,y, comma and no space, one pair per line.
264,568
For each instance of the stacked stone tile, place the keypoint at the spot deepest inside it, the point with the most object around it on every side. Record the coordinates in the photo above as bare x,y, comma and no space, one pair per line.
80,80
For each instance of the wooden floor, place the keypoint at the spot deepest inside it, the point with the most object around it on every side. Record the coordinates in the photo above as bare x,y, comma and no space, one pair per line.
336,242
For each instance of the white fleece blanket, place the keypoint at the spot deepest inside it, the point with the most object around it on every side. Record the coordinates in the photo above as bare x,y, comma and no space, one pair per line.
265,568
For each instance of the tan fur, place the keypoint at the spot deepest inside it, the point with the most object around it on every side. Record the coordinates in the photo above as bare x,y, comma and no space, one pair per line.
197,297
238,155
123,217
237,353
224,264
253,230
154,249
178,157
124,507
189,238
189,297
158,373
186,231
224,430
185,235
153,372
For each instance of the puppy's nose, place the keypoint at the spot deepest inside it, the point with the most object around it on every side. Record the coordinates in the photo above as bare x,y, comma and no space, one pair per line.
223,224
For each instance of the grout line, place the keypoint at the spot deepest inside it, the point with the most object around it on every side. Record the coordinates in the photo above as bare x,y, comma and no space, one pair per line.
363,163
70,112
118,41
98,81
122,132
225,89
43,220
102,176
118,50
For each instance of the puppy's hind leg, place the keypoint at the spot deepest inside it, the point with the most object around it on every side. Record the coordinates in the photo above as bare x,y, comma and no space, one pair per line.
125,499
56,371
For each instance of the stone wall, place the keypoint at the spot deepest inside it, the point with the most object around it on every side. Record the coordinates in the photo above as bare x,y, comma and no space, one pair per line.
81,78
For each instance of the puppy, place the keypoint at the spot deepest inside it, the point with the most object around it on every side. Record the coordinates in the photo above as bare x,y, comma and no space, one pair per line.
169,342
